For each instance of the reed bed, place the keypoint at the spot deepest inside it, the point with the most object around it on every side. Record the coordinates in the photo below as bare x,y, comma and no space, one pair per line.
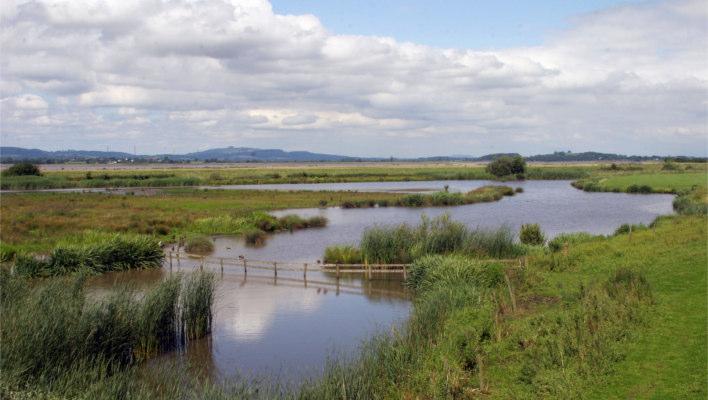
97,254
52,330
404,243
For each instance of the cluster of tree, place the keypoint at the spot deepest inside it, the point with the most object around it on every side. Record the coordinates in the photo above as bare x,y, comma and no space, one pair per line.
22,169
506,166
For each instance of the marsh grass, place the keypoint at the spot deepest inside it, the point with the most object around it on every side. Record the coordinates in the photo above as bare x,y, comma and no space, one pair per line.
196,303
404,243
342,255
97,253
199,244
55,336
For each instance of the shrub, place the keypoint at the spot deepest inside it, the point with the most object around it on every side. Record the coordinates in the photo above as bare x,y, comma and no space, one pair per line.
342,255
22,169
531,234
317,221
255,237
506,166
639,189
199,245
557,243
519,190
626,228
412,200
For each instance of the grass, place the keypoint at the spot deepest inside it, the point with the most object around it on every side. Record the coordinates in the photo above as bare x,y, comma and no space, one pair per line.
36,222
96,253
342,254
282,174
404,243
624,318
199,245
52,333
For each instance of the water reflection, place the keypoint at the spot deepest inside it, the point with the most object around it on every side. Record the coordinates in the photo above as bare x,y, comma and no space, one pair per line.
555,205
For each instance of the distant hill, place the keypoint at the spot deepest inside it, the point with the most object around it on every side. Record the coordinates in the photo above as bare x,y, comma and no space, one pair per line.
248,154
19,154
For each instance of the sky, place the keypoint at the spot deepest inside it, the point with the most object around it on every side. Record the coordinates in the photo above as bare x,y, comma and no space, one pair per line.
361,78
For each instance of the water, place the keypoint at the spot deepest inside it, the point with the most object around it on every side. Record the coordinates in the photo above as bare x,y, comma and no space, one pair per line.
284,328
280,328
555,205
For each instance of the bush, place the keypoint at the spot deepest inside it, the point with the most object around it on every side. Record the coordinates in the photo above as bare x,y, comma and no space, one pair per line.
255,237
22,169
557,243
639,189
626,228
531,234
506,166
412,200
199,245
342,255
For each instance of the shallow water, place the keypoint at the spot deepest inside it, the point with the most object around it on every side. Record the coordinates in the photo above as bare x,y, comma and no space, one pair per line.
286,328
555,205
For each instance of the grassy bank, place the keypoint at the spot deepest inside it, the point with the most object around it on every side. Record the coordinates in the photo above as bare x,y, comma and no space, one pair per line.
239,175
608,317
93,253
58,343
36,222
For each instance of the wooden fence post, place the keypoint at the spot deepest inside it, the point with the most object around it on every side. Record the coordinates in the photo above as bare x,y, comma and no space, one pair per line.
304,274
201,265
405,273
221,263
245,270
337,272
275,268
178,263
170,260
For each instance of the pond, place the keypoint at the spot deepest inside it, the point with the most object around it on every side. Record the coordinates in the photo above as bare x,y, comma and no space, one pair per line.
288,328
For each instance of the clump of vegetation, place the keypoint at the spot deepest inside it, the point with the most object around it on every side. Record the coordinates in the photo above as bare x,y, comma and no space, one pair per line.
404,243
531,234
255,237
342,255
692,202
22,169
507,166
566,239
199,244
627,228
99,253
639,189
197,299
519,190
437,199
81,337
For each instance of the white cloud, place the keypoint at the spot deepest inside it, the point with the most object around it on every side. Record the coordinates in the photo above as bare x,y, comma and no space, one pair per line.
215,72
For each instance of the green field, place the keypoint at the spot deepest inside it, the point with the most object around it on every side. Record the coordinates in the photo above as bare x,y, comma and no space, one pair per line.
659,182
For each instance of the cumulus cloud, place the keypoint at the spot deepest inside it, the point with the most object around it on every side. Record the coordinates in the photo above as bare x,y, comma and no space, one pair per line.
189,74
